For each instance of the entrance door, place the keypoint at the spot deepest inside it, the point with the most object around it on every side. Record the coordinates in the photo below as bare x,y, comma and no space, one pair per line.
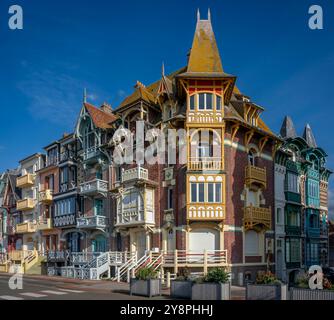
141,243
203,239
73,240
99,244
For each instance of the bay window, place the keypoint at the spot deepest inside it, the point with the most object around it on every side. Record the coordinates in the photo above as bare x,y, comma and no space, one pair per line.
206,192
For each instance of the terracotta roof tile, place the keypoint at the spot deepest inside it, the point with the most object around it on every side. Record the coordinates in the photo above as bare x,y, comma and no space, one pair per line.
100,118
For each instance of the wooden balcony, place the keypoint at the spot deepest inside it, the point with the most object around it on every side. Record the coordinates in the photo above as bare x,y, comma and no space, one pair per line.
204,117
44,224
46,196
26,227
94,187
25,204
211,164
26,181
205,212
257,219
137,173
256,176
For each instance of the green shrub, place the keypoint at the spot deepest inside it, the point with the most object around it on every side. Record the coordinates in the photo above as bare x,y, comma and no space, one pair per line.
217,275
183,275
267,278
146,274
302,281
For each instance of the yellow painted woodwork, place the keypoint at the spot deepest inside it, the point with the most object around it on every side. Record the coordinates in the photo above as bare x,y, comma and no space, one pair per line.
26,181
26,227
25,204
257,218
256,175
46,196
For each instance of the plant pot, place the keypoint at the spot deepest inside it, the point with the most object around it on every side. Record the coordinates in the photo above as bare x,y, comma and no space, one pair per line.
211,291
181,289
311,295
266,292
146,288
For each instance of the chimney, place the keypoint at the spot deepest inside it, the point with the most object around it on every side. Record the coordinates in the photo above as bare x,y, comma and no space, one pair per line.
106,107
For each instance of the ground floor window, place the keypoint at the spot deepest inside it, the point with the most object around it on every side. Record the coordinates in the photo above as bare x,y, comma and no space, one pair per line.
252,243
293,251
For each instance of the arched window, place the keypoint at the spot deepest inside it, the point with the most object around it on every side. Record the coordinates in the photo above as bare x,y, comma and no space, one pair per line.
251,157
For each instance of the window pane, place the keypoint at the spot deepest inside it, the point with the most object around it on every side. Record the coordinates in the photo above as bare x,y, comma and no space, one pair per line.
218,192
193,192
192,102
218,103
209,102
210,193
201,192
201,101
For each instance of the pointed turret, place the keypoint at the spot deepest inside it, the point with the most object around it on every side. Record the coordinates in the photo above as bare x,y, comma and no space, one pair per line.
288,129
204,55
309,137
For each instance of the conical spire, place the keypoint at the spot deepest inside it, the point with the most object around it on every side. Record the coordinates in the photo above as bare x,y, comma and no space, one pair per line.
309,137
288,129
204,55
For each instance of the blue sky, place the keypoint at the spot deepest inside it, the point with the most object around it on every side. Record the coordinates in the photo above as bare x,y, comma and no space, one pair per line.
107,46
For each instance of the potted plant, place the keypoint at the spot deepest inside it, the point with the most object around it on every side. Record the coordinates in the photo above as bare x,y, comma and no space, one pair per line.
146,283
214,286
182,285
266,287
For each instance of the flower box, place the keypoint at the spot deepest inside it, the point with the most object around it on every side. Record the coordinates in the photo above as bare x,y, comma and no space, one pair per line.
146,288
266,292
308,294
181,289
211,291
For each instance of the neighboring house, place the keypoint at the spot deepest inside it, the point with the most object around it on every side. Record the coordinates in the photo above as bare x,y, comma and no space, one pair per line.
301,197
331,243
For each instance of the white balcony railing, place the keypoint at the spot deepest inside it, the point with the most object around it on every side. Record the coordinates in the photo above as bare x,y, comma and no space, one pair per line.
91,153
135,174
93,222
94,187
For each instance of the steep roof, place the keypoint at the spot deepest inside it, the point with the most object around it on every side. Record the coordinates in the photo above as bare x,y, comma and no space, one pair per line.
204,55
101,119
309,137
288,129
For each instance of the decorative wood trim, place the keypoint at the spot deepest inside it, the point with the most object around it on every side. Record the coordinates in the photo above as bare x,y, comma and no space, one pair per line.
248,137
234,131
262,143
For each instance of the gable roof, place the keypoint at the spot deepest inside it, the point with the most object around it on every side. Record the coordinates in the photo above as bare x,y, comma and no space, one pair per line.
101,119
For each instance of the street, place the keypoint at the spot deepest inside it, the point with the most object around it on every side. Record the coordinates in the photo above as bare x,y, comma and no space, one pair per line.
56,288
44,288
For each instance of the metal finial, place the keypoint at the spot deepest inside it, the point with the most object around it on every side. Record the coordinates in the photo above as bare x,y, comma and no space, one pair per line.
209,14
163,69
85,95
198,15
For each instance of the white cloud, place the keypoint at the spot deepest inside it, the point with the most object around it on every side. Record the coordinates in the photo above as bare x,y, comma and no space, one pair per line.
54,97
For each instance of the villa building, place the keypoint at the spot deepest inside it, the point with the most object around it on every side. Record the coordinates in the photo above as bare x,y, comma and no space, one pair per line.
228,192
